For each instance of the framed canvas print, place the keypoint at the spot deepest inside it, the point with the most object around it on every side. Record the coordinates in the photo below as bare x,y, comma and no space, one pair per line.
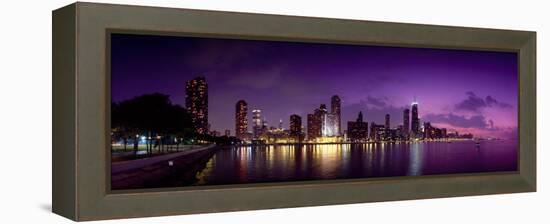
200,111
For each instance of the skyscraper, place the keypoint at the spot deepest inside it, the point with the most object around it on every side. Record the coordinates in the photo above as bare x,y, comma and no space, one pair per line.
329,125
429,131
196,102
295,125
415,122
387,121
377,131
257,123
322,117
358,130
336,110
314,124
241,120
323,109
329,121
406,121
311,133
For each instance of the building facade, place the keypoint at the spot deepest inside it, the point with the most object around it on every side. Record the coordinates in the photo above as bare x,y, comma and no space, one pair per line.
358,130
336,111
196,102
257,123
296,128
241,119
387,121
377,132
415,121
406,123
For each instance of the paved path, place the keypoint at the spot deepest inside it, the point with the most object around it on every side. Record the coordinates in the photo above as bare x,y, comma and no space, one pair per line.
128,165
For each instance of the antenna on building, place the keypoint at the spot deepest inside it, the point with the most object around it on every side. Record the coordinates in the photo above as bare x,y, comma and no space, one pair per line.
414,100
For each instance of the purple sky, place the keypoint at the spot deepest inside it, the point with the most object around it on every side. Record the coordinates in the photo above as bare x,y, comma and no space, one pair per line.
467,91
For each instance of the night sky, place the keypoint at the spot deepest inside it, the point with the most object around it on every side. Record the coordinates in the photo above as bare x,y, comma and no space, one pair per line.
466,91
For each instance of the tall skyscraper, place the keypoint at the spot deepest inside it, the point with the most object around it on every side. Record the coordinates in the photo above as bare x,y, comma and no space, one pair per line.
295,125
314,124
415,122
323,109
329,121
322,116
196,102
406,121
387,121
336,110
329,125
241,119
257,123
311,133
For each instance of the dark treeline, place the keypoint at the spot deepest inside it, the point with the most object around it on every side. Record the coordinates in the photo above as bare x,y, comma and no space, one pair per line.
165,125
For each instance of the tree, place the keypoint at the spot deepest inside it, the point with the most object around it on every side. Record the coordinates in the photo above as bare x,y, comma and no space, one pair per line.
151,115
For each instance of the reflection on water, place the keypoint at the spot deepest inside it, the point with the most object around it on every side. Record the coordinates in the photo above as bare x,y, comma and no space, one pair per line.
254,164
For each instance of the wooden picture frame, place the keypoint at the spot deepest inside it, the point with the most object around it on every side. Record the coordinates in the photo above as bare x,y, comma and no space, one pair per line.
81,111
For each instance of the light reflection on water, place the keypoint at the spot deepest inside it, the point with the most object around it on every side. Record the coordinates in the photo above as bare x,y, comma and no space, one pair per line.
254,164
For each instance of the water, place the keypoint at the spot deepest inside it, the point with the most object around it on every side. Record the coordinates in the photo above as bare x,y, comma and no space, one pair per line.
237,165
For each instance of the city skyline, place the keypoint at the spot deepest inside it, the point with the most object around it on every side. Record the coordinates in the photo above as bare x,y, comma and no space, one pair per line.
374,89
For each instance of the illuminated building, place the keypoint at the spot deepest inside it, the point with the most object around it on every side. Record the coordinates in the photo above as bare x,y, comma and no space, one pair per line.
264,125
431,132
336,111
323,109
415,121
257,123
330,123
377,132
358,130
399,133
324,124
428,130
314,125
241,120
405,130
296,127
295,124
196,102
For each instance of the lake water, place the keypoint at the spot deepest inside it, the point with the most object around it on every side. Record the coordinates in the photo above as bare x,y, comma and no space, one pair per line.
255,164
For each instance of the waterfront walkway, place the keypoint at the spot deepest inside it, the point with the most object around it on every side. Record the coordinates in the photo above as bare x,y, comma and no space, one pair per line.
147,171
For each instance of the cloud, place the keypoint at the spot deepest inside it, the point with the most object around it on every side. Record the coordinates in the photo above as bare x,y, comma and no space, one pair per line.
472,103
490,101
475,103
476,121
376,101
